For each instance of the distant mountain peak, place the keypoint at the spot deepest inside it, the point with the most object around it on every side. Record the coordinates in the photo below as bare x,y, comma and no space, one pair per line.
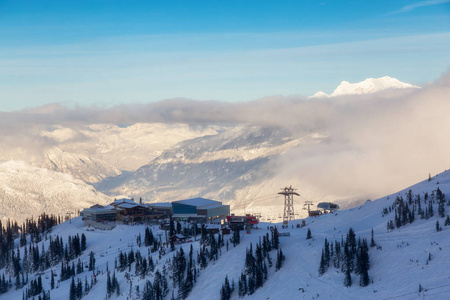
367,86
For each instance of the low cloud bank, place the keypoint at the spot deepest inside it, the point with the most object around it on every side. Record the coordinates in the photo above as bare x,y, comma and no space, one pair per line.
376,143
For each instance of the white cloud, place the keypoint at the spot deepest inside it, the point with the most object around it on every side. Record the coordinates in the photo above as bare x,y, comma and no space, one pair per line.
378,143
410,7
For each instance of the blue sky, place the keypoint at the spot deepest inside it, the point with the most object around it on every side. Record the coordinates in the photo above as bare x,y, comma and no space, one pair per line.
105,53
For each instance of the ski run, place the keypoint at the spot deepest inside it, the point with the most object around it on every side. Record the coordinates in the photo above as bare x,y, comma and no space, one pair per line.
407,258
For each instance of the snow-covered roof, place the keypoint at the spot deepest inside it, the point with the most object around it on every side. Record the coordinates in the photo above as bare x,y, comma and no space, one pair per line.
123,200
96,206
129,205
199,202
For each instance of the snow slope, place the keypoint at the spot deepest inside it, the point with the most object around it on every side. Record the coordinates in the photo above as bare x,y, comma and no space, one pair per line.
398,265
80,166
367,86
27,191
233,163
125,147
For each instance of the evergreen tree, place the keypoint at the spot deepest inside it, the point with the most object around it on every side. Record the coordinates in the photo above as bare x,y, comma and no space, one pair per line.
72,291
79,289
242,285
348,278
236,236
148,292
308,235
447,221
148,237
225,291
83,242
322,264
438,227
364,278
108,285
52,282
372,241
280,260
251,285
171,228
178,227
275,238
326,254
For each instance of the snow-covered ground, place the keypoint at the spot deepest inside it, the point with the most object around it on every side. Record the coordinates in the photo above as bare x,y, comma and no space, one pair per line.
27,191
399,263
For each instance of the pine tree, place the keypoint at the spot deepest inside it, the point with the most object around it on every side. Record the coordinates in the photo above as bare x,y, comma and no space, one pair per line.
92,261
171,228
280,259
79,289
275,238
438,227
308,235
348,278
108,285
447,221
322,264
83,242
251,285
372,241
148,237
52,282
326,254
225,291
148,291
72,291
364,278
236,236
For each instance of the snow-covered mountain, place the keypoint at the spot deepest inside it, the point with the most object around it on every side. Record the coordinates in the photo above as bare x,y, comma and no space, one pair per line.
125,147
236,161
27,191
406,262
368,86
80,166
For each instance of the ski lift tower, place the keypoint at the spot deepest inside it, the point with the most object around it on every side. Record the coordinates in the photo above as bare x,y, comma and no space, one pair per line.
308,205
288,193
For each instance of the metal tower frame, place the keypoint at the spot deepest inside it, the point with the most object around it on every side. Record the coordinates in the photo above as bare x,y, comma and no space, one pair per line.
308,204
288,193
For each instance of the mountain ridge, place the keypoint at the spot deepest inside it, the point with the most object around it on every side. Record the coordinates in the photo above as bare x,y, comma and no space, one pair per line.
367,86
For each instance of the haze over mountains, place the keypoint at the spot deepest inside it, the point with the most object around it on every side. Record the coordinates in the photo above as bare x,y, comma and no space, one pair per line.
340,149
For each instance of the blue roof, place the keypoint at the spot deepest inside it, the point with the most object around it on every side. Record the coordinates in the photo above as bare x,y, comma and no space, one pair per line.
161,204
198,202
